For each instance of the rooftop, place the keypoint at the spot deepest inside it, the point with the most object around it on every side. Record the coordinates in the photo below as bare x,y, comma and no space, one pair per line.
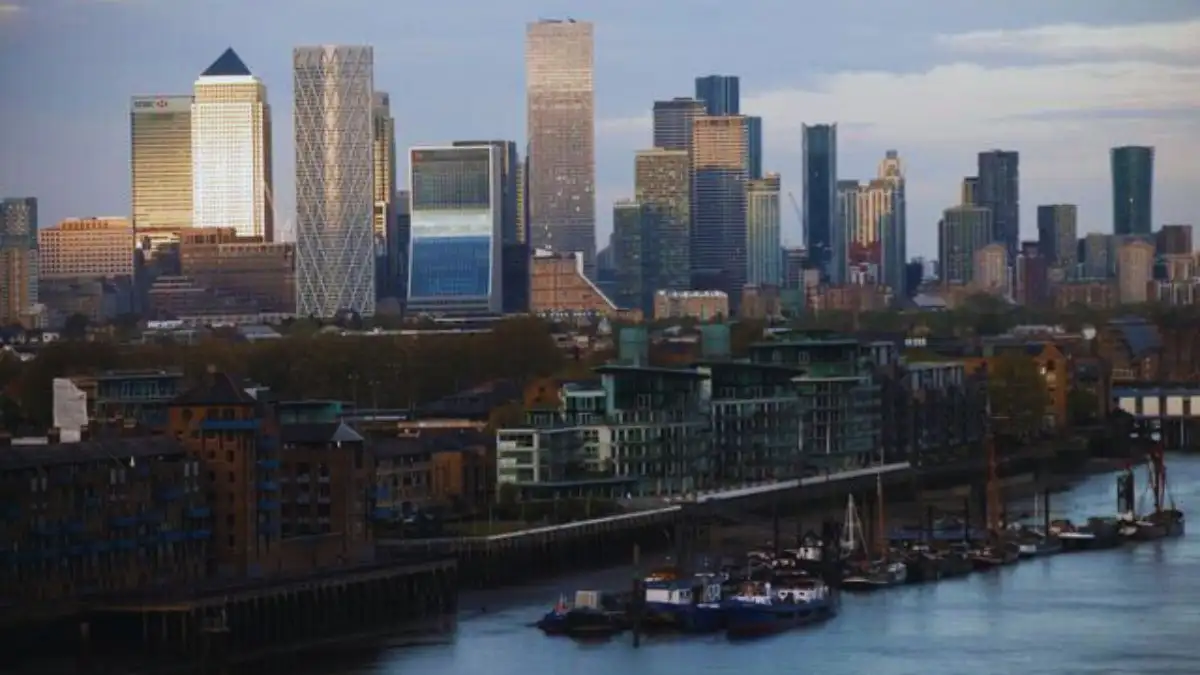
318,433
228,64
118,451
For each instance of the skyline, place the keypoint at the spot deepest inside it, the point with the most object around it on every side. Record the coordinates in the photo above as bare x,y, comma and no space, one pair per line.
1061,96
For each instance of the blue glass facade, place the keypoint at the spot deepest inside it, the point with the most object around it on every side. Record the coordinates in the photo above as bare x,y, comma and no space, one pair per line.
451,267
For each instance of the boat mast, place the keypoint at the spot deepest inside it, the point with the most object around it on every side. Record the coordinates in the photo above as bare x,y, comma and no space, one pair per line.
1158,477
880,532
993,487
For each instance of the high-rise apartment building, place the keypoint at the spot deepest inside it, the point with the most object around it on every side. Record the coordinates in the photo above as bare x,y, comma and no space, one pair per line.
562,138
718,236
1058,236
80,248
754,147
632,244
763,235
160,135
456,259
999,189
1135,269
823,239
1132,189
989,272
384,157
335,183
1099,256
231,150
516,253
18,258
962,232
893,222
673,122
662,186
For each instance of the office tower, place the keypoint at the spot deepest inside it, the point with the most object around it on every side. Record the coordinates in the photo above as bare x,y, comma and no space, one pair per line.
825,243
673,122
962,232
1132,189
718,235
522,203
662,185
754,147
562,138
160,134
335,183
79,248
1174,240
383,153
18,258
1031,275
231,150
455,265
1099,261
1135,269
632,243
402,229
968,191
853,226
989,271
999,189
763,234
516,253
892,201
720,94
1057,235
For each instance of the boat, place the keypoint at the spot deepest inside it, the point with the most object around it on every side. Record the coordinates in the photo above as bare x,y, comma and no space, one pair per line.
1166,516
1031,541
688,605
587,617
955,561
861,573
761,608
1097,534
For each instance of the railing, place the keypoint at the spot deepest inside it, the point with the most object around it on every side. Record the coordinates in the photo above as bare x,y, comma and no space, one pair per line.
229,425
199,512
268,464
268,486
268,504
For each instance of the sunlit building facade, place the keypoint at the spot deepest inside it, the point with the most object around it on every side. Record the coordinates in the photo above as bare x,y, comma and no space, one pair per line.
160,133
231,150
335,183
79,248
763,235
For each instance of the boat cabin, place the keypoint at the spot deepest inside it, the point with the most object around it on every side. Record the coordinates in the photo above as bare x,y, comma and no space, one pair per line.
682,592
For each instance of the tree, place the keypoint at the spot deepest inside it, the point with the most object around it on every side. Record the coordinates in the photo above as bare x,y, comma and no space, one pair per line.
76,327
1083,408
1017,394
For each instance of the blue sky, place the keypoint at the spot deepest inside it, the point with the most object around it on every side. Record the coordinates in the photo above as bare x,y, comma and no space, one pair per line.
937,80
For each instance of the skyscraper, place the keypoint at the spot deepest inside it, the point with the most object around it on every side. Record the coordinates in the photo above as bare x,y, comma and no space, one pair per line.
720,93
562,137
632,244
516,254
1132,189
718,236
999,189
160,134
455,265
1058,235
384,157
763,236
335,184
825,242
662,186
754,144
231,150
962,232
893,222
970,187
673,122
18,258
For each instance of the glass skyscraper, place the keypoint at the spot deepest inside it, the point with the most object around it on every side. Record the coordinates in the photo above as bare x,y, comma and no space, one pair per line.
999,189
456,248
335,183
825,241
721,95
1132,189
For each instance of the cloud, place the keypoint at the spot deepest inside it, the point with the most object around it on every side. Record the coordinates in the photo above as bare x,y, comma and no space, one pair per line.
8,9
1079,41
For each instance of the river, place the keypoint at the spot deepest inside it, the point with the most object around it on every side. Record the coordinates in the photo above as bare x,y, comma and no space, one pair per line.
1133,610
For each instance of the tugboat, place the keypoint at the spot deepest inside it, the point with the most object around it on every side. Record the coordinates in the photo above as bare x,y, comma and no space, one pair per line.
687,605
587,618
760,609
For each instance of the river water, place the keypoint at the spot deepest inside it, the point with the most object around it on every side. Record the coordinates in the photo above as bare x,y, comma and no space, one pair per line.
1131,611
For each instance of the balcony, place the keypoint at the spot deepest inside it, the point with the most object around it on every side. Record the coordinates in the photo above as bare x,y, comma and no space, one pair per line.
151,517
268,486
200,534
198,512
47,530
125,544
268,464
169,494
268,442
379,492
269,528
72,527
76,550
101,546
268,505
172,536
229,425
383,514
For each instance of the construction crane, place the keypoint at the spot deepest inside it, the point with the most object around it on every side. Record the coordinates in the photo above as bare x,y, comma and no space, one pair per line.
799,215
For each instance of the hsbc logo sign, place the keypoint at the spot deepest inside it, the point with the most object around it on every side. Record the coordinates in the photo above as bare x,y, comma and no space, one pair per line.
159,104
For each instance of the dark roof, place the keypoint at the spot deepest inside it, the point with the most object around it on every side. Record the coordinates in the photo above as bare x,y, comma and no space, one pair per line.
229,64
118,451
318,433
618,368
217,389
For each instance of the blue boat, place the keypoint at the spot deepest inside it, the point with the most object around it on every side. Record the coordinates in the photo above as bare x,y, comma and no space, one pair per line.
760,609
587,618
688,605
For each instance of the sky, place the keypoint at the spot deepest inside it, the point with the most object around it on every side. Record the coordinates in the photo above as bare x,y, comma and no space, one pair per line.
938,80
